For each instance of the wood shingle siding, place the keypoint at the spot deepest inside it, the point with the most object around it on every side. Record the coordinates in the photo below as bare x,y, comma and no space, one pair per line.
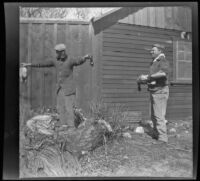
125,57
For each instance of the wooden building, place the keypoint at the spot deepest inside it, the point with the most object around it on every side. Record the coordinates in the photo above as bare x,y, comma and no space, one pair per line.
120,40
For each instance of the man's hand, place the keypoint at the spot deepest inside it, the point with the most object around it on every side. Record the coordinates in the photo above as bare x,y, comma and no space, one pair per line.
89,57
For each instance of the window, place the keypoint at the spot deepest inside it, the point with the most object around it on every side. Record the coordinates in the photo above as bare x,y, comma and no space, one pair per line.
183,61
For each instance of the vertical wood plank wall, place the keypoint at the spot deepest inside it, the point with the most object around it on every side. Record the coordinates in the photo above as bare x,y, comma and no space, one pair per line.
96,74
178,18
37,41
124,57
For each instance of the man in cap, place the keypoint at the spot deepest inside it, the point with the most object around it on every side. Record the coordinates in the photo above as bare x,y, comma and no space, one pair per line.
157,82
66,90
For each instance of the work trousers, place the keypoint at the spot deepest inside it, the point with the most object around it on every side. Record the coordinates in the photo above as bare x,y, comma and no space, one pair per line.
158,111
65,107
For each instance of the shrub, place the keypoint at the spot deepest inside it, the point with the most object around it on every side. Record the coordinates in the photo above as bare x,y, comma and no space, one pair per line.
111,113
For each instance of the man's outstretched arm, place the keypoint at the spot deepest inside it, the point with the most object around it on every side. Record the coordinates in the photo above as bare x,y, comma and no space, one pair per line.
49,63
80,60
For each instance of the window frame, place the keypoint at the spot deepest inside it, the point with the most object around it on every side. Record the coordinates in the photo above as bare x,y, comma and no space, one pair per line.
177,80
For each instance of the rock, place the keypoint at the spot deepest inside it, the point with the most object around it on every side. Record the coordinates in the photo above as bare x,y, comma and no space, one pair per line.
125,157
172,130
84,152
42,124
139,129
127,135
86,137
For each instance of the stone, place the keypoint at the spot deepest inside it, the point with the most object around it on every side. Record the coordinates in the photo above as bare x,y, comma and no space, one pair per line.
127,135
125,157
139,129
172,130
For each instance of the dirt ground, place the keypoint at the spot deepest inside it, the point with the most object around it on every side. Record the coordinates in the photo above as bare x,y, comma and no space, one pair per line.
137,156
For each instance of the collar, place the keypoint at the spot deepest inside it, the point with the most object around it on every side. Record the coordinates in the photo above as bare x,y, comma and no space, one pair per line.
161,55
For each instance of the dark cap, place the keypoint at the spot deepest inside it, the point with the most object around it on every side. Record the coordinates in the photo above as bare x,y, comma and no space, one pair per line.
159,46
60,47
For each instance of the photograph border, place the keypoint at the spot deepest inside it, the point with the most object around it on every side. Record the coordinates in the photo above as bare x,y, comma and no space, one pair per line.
11,90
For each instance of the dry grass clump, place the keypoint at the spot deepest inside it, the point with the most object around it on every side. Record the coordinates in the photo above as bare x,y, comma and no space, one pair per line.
111,113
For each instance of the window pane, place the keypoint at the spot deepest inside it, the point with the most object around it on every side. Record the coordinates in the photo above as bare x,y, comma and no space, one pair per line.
185,70
188,56
181,46
184,60
181,55
188,47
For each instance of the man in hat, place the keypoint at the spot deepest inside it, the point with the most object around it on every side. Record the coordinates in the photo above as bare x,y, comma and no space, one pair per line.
157,82
66,90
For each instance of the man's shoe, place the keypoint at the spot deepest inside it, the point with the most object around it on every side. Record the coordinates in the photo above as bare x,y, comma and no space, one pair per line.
154,135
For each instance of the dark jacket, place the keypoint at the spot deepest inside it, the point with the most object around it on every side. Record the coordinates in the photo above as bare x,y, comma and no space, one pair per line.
64,73
161,64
